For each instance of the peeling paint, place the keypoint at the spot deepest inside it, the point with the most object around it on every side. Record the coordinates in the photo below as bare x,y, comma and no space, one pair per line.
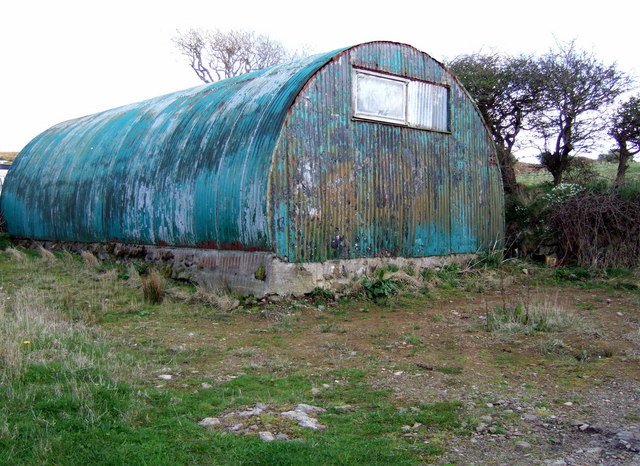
271,161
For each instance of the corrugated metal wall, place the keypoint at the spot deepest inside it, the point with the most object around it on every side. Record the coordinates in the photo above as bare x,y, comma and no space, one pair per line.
214,167
345,188
185,169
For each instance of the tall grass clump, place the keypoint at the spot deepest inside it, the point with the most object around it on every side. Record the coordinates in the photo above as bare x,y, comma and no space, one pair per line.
535,318
33,333
16,255
46,255
90,260
153,288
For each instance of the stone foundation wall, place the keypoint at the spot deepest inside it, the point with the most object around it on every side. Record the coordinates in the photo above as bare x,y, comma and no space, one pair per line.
248,273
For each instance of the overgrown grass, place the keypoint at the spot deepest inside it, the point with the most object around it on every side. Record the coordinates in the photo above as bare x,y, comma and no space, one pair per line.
84,389
604,170
73,394
533,318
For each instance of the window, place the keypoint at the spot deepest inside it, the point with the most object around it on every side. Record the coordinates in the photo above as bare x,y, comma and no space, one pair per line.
399,100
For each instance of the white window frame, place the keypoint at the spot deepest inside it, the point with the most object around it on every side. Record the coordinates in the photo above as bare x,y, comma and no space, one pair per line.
373,116
407,111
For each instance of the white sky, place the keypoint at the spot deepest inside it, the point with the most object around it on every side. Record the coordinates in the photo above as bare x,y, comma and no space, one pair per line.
61,59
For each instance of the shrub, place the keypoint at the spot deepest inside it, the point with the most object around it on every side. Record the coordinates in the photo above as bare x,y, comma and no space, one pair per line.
321,295
582,172
598,230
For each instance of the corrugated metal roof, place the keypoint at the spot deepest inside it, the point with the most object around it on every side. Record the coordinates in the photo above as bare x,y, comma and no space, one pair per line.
272,160
159,171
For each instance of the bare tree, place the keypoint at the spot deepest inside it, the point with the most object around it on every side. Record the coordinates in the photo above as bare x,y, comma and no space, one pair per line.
215,55
577,90
506,91
626,132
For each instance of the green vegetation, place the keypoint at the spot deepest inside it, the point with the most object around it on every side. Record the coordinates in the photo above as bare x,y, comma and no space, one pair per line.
379,289
261,273
93,371
587,221
532,318
603,171
73,394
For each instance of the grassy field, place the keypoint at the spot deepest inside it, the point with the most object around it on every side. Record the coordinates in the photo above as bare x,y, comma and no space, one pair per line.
606,171
443,371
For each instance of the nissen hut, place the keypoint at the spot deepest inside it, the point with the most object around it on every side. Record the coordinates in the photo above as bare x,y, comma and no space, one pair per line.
276,181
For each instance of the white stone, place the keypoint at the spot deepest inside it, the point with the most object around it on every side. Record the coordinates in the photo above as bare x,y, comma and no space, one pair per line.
209,421
266,436
255,411
165,377
304,420
309,409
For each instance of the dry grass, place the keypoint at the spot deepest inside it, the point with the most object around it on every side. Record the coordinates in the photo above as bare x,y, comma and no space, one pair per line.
16,255
32,332
633,336
90,260
530,318
46,255
134,280
153,288
67,257
211,299
215,299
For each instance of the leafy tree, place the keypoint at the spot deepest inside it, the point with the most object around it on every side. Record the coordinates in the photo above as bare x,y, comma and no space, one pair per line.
625,130
577,89
215,55
506,91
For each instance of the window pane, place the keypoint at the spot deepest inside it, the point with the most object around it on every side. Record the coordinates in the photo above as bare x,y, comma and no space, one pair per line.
428,106
381,97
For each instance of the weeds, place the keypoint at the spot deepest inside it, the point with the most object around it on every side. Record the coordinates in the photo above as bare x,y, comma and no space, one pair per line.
413,340
379,289
321,295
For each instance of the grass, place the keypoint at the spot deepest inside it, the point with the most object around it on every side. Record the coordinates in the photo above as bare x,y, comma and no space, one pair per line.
606,170
82,350
531,318
73,394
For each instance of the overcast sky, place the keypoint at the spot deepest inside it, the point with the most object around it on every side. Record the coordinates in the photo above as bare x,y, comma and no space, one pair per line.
61,59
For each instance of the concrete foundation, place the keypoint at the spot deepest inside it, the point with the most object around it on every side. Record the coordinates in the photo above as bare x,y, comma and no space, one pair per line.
250,273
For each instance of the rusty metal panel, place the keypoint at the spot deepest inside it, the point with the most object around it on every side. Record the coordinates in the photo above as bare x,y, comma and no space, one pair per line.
345,187
185,169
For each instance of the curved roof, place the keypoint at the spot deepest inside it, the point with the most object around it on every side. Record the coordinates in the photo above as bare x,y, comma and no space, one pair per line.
146,172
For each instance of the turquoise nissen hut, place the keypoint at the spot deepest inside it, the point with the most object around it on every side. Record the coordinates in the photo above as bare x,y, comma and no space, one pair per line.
279,180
